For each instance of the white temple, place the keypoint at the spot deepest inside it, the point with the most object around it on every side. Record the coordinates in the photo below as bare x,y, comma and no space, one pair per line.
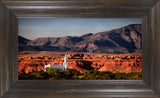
62,67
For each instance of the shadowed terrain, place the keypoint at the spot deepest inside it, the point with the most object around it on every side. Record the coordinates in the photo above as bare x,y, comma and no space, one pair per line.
127,39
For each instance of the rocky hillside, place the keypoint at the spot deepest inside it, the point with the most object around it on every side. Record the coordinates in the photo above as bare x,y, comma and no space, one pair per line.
82,62
127,39
22,40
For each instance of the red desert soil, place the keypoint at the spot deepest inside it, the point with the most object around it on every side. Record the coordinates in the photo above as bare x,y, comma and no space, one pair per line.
82,61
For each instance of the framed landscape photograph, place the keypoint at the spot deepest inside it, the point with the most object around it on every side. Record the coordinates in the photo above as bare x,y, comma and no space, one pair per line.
80,49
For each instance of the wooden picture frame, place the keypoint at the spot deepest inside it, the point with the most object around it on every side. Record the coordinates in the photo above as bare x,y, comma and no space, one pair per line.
11,87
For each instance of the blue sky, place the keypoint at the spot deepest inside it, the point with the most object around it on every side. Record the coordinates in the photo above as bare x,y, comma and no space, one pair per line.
32,28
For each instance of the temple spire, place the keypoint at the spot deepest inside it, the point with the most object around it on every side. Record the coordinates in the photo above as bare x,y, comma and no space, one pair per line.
65,63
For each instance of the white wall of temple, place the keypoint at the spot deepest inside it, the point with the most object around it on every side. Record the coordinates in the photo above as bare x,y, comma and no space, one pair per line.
62,67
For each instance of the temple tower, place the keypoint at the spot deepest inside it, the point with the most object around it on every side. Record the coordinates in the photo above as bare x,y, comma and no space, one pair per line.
65,63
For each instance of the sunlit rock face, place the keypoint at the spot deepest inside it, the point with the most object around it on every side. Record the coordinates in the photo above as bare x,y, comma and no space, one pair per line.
82,62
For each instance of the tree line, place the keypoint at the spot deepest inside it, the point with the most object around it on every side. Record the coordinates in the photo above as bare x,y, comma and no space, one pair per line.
73,74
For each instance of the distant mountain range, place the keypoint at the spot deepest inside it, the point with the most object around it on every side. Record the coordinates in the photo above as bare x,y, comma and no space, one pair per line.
127,39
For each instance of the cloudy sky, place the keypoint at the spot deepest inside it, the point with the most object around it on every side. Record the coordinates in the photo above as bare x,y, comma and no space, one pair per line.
32,28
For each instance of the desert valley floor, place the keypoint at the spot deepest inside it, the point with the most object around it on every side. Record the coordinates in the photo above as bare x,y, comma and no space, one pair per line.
35,61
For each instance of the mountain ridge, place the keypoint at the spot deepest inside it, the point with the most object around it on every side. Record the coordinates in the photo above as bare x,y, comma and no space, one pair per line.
127,39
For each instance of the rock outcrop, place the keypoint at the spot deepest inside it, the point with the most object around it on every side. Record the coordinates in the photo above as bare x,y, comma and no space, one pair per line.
83,62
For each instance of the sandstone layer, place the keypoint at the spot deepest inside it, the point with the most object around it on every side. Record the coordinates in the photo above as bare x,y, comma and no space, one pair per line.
82,62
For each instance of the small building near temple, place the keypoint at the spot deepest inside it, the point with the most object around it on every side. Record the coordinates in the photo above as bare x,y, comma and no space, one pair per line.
62,67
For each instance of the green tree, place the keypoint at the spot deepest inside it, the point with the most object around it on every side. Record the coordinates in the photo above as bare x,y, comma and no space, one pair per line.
53,71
